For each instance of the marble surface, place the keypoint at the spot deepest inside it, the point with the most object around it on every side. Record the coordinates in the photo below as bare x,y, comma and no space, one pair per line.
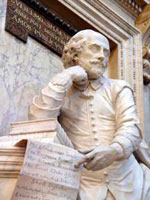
24,70
147,113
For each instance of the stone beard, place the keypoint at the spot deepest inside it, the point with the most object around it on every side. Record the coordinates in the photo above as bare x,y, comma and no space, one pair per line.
96,116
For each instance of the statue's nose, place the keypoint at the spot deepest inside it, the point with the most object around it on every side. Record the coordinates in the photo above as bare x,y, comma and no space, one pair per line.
101,56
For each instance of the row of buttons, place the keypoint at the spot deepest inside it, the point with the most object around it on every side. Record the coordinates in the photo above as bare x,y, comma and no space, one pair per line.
93,124
95,133
106,174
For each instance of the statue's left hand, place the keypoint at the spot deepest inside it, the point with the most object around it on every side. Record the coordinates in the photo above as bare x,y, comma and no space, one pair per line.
98,158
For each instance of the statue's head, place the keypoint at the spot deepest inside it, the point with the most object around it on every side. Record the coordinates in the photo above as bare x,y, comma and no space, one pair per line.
90,50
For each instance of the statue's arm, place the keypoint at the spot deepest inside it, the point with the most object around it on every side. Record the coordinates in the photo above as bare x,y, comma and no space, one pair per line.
51,99
128,134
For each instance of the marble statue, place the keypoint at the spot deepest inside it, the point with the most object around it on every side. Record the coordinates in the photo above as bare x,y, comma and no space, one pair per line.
97,116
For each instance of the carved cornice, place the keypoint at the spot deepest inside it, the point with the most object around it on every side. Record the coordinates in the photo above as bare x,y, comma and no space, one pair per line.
52,16
35,129
131,6
91,10
33,126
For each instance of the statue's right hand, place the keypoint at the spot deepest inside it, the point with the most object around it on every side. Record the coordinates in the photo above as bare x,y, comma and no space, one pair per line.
78,74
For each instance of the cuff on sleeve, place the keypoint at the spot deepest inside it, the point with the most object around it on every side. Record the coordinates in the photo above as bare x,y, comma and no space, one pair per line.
125,144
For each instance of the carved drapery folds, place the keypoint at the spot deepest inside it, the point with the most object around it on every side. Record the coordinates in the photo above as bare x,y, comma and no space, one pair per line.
143,23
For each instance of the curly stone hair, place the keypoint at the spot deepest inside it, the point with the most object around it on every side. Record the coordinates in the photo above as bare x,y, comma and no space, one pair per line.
72,50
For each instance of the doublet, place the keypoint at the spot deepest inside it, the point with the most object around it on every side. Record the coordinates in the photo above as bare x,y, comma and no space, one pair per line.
102,114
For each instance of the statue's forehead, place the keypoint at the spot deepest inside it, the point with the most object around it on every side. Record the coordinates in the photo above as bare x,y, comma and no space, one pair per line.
99,40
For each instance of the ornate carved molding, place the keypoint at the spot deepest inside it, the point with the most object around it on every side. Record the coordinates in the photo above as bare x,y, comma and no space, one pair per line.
11,160
131,6
143,23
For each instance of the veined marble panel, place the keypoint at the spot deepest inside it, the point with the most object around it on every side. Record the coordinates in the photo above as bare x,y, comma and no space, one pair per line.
147,113
24,70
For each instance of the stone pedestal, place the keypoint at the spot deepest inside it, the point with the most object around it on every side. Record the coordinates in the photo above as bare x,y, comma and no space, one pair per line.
12,150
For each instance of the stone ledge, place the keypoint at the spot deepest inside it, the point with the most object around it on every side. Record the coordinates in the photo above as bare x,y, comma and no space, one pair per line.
11,160
12,147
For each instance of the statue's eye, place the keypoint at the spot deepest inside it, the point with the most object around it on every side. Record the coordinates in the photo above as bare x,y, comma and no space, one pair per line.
94,48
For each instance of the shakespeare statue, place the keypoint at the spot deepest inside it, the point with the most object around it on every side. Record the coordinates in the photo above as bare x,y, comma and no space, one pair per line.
96,116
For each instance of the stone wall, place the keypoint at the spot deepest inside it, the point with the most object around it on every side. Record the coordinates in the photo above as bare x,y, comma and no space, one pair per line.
24,70
147,113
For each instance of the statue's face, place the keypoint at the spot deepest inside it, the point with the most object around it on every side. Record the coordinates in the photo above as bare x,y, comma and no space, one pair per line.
94,57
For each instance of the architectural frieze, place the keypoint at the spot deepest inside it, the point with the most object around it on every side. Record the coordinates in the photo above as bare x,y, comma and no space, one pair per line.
131,6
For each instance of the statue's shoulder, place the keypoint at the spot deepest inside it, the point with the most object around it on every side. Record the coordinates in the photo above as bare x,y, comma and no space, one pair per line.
113,87
116,84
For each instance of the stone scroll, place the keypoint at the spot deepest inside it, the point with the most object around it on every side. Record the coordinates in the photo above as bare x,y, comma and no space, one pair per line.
48,173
